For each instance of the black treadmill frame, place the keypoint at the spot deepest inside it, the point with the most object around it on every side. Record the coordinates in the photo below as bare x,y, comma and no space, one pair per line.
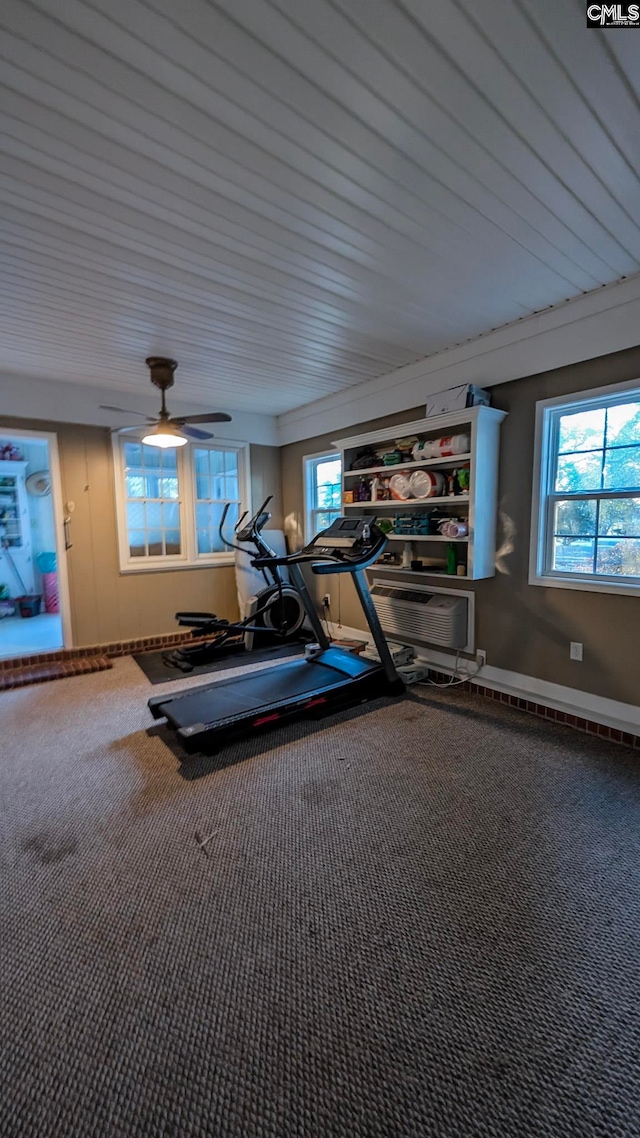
370,682
314,703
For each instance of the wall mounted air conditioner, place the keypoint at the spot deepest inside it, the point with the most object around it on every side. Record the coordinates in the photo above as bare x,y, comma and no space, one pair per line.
422,615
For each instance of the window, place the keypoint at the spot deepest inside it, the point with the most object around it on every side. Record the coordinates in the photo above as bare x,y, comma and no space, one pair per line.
323,491
170,502
586,519
154,527
217,482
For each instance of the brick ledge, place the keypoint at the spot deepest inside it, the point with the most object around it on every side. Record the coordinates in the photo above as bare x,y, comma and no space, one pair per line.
111,650
52,670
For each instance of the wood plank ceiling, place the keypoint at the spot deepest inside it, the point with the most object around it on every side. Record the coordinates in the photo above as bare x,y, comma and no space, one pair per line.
295,196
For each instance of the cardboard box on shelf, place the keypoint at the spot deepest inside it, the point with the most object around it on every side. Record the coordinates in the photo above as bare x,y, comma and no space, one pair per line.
456,399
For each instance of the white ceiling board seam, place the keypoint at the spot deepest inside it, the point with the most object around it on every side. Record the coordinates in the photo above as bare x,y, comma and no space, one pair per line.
88,289
118,232
553,140
158,3
565,109
541,129
119,270
21,220
153,121
249,364
509,148
570,267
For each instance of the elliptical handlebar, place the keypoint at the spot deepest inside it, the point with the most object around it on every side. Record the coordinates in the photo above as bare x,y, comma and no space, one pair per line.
251,527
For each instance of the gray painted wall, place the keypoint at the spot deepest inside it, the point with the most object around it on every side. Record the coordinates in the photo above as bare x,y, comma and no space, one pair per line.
524,628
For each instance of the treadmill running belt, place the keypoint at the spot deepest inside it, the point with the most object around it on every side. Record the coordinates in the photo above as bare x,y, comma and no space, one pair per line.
251,693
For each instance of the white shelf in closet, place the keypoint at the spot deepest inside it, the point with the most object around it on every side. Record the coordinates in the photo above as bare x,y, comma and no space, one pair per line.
482,424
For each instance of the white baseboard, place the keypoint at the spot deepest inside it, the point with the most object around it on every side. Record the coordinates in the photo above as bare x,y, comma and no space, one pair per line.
584,705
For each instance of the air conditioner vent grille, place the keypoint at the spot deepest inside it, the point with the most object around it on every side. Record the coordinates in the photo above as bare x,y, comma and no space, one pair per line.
400,594
425,617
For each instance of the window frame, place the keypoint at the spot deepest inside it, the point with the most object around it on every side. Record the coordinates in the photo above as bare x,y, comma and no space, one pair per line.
309,463
548,413
189,558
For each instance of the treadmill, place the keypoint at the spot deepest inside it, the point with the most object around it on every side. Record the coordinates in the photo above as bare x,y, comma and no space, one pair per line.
205,718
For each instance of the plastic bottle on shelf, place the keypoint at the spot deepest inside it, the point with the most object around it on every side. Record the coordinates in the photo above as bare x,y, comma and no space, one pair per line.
452,560
375,488
444,447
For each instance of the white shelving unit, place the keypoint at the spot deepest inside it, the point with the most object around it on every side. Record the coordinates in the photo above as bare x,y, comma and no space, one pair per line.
478,505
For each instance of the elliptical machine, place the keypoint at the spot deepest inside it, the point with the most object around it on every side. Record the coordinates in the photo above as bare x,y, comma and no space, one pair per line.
275,615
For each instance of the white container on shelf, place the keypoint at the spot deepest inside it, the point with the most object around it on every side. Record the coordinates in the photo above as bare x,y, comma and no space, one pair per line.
400,487
426,484
453,528
444,447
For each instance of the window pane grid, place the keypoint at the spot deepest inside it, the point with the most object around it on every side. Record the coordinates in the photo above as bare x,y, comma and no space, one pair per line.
591,450
322,519
217,483
593,507
152,502
323,476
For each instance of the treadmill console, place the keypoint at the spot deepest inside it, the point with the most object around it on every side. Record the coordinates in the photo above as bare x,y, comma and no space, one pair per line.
348,540
346,546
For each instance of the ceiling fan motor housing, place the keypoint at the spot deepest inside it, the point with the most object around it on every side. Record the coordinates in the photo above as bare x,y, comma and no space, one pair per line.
161,370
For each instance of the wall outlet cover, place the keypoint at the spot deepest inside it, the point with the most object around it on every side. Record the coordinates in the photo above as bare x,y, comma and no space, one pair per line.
575,650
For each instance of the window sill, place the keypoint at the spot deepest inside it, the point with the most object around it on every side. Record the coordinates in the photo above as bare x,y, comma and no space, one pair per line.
632,589
179,567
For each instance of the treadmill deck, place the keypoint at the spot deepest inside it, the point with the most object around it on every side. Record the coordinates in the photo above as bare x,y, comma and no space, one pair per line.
270,695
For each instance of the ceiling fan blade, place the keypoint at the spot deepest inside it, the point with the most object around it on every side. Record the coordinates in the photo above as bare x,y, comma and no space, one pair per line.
126,430
212,417
194,433
124,411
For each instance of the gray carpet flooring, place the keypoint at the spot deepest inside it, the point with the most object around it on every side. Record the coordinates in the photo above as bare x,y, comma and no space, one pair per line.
422,919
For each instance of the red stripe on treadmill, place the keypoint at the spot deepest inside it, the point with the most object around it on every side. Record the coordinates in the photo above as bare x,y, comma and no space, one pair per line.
266,719
316,702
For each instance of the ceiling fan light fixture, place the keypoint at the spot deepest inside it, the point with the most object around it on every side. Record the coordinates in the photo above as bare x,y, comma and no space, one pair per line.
165,435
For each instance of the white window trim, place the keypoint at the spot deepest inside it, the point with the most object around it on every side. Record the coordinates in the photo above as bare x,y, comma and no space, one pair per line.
189,558
539,515
309,507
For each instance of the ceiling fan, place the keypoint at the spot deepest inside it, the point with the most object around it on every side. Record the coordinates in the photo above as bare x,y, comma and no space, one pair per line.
167,430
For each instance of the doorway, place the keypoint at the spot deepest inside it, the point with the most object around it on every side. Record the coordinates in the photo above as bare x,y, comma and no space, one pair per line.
34,614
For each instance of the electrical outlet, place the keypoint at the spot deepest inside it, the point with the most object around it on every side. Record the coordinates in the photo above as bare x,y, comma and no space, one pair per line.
575,650
326,601
481,658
